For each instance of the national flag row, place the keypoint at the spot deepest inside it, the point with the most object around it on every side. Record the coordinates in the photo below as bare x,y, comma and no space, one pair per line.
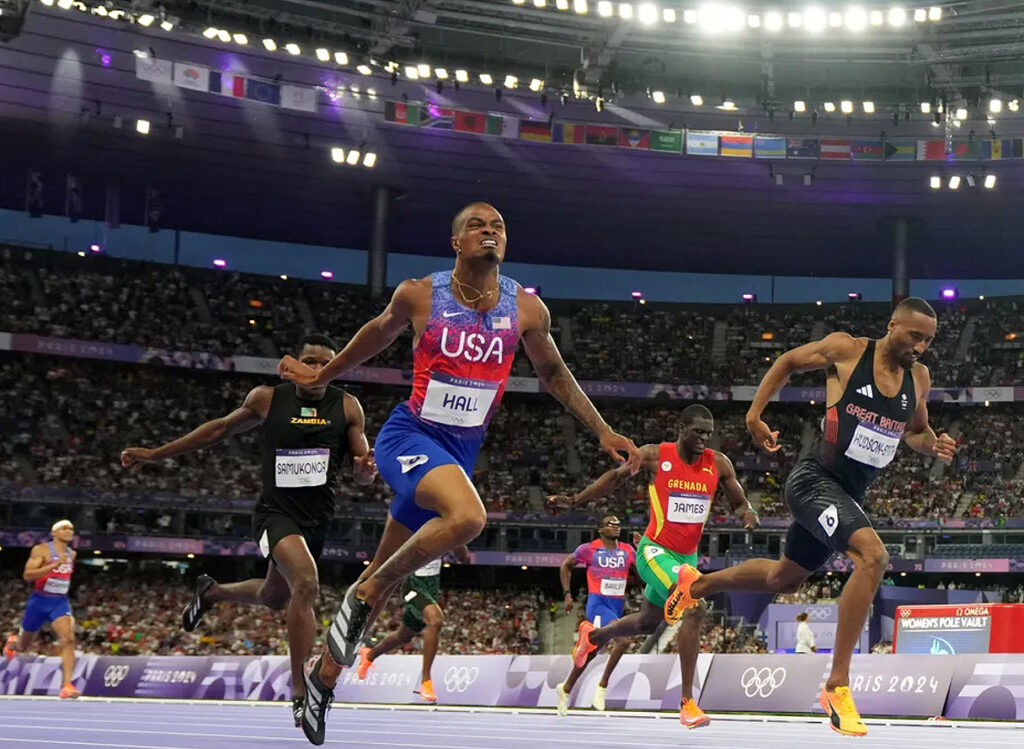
697,143
200,78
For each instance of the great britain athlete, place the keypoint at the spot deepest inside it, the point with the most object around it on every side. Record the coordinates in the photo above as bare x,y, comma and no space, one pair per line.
877,395
684,476
49,568
307,434
466,323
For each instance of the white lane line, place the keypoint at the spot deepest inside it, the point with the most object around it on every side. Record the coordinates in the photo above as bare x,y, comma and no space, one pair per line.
49,742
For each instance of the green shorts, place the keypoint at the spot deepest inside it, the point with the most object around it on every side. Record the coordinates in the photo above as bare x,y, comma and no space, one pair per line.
659,568
427,590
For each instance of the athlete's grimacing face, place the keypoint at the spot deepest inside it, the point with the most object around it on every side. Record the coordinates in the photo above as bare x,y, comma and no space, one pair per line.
316,358
482,236
65,534
610,528
910,335
696,435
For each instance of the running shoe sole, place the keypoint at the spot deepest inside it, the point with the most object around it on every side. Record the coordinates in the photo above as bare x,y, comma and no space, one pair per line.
196,609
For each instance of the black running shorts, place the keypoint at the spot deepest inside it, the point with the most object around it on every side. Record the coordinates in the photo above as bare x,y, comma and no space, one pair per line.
824,515
270,527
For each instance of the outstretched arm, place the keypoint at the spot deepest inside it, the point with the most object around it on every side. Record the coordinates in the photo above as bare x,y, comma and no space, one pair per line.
734,491
609,481
821,354
369,341
251,413
559,381
919,435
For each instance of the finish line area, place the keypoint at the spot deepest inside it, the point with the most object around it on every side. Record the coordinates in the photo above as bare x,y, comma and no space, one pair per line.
40,722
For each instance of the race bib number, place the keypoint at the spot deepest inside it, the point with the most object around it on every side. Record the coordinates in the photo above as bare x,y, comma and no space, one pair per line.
301,468
873,446
688,508
57,586
613,586
430,569
457,401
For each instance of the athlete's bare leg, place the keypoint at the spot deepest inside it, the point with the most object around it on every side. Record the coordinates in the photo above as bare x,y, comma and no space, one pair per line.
271,591
688,644
870,561
64,628
447,491
769,575
393,641
619,647
433,617
644,622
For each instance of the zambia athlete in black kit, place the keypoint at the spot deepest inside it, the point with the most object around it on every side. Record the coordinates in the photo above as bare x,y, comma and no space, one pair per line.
878,397
307,432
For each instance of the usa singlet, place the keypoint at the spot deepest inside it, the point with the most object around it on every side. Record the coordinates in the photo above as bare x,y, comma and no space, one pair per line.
607,569
57,582
860,433
304,443
681,497
462,361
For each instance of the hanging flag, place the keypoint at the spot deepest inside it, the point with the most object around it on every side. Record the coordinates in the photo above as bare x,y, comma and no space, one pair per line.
567,132
965,150
477,122
931,150
1007,148
227,84
900,150
438,118
535,131
601,135
152,69
509,126
194,77
632,138
263,91
835,148
667,140
301,98
701,144
803,148
403,114
866,150
112,209
34,193
741,146
769,147
73,199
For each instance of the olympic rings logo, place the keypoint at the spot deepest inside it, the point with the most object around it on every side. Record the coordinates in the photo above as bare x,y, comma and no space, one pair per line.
459,678
762,681
114,675
818,614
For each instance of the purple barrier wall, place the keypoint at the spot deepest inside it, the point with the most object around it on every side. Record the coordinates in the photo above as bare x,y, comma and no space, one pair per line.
881,684
969,686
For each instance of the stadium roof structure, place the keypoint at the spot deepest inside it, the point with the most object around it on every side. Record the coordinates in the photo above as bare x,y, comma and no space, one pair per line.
75,80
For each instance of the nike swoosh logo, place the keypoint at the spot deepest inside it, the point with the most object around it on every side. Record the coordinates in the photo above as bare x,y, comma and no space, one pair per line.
453,314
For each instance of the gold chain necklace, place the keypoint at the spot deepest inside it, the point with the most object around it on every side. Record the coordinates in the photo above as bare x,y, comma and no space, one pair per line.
480,295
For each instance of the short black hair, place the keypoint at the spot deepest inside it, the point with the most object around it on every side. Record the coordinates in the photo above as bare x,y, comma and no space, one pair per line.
696,411
915,304
315,339
460,217
606,517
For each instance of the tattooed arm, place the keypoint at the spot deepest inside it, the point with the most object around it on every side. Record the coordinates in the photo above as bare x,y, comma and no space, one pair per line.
535,326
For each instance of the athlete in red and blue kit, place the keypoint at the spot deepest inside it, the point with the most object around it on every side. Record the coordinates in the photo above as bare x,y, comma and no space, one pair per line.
466,326
608,562
49,569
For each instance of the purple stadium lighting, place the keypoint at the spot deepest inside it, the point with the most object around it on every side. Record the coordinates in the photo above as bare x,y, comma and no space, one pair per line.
326,274
748,297
637,294
854,296
220,262
950,292
530,289
95,248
